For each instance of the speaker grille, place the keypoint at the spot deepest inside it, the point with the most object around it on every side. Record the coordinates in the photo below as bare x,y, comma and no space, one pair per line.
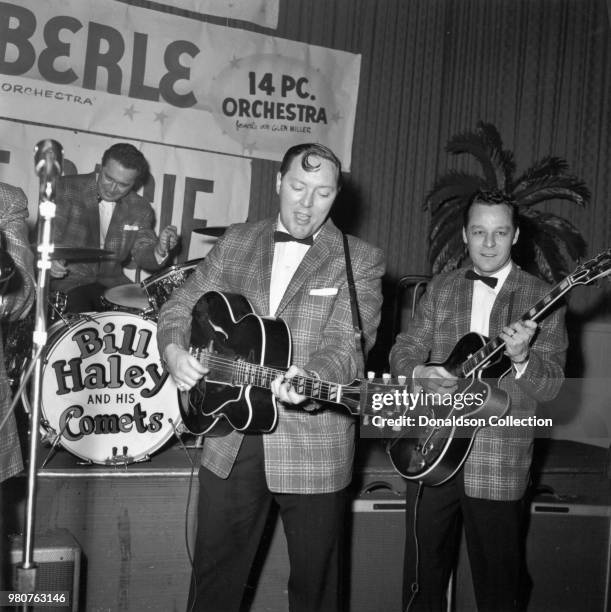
58,557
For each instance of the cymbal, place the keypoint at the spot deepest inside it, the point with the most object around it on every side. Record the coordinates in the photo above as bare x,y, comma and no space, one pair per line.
211,230
79,253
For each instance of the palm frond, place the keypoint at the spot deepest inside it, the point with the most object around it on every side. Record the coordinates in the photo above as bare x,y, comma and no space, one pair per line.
558,188
545,167
453,186
446,232
538,254
547,242
480,146
563,232
447,222
486,146
502,158
548,245
450,256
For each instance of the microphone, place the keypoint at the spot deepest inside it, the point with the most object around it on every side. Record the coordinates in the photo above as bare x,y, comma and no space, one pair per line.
48,160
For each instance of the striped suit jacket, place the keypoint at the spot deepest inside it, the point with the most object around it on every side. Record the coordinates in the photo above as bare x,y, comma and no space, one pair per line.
499,463
130,237
308,452
15,304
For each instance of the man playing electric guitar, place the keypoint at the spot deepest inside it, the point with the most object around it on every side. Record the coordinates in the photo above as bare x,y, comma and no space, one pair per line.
291,267
487,493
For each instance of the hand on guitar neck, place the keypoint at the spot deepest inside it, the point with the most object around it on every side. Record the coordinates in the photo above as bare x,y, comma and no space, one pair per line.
434,378
517,337
186,371
281,387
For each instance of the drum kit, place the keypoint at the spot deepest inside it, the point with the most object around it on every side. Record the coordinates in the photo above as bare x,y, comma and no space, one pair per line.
106,396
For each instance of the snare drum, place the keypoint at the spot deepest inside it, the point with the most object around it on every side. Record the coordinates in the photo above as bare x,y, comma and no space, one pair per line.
126,298
104,390
159,287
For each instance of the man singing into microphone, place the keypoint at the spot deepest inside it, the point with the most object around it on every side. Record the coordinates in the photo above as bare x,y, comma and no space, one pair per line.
16,299
103,210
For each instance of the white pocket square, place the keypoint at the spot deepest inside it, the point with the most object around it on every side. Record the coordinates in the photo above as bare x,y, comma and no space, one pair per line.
130,228
324,291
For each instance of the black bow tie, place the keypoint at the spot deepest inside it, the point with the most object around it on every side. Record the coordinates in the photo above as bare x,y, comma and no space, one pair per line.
491,281
286,237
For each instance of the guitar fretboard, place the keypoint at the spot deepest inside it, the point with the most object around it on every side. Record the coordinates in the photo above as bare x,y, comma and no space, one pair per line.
490,349
239,372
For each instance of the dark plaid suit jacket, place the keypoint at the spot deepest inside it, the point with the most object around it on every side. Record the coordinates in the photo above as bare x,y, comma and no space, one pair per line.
130,237
15,304
308,452
498,465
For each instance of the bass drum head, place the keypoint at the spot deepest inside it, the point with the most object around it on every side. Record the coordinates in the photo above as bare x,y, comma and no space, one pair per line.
105,391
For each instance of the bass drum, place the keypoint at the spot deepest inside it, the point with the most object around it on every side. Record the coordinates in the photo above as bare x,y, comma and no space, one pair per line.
104,390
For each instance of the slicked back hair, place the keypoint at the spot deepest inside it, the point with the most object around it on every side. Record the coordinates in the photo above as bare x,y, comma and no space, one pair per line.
129,157
309,150
493,197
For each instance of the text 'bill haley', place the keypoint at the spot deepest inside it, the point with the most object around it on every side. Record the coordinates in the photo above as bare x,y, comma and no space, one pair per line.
107,371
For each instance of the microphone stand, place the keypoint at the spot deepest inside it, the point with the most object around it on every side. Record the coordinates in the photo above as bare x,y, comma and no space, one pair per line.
48,159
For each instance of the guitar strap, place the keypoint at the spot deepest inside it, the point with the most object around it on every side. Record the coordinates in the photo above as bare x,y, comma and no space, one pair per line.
354,307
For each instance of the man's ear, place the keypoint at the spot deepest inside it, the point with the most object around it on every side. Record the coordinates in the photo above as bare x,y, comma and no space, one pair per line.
516,236
464,235
278,181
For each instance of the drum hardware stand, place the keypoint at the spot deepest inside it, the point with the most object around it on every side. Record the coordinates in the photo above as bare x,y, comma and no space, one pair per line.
123,459
48,157
20,392
52,437
57,301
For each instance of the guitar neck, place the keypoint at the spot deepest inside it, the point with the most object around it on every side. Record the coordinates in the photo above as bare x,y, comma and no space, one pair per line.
238,372
494,346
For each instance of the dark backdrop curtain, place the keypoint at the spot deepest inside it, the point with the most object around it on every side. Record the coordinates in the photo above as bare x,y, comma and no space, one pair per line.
538,69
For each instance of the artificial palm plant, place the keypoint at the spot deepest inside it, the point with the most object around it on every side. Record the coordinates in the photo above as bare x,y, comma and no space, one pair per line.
547,243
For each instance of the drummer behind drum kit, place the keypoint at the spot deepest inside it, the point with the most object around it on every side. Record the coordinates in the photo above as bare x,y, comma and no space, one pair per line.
106,397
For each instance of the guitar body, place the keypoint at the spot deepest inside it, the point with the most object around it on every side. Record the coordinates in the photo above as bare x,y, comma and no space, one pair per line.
226,325
434,450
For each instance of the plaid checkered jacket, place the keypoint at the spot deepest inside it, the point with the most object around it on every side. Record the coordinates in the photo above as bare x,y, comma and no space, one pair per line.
308,452
16,302
130,236
498,466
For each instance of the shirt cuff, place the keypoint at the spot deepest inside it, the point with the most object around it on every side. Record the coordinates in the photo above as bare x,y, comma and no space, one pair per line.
519,368
159,258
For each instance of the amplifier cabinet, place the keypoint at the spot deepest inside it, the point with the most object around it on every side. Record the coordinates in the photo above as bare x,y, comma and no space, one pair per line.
374,543
376,539
567,554
57,556
376,555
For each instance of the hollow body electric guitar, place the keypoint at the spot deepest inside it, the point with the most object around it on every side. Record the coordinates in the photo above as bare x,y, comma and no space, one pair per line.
245,353
434,452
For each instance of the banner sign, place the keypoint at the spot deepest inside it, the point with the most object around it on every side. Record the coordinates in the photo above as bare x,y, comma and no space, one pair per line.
189,189
261,12
121,70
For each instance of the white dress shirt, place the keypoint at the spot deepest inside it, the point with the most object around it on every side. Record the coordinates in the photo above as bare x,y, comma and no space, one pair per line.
106,209
483,301
287,257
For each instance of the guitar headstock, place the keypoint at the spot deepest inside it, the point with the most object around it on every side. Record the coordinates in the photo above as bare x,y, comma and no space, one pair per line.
593,269
373,396
384,396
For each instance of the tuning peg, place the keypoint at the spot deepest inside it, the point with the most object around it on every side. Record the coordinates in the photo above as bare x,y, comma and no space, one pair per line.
386,378
402,379
371,375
